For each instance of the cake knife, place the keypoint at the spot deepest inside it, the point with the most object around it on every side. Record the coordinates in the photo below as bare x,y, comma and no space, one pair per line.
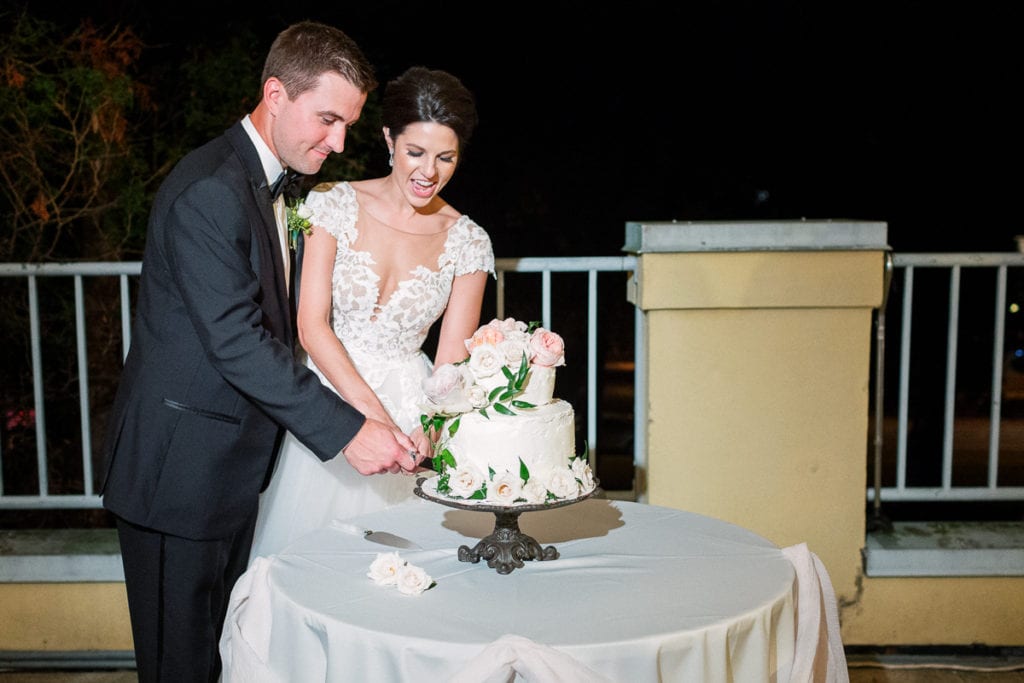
382,537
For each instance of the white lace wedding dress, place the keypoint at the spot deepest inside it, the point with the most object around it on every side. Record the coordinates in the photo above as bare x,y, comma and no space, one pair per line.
385,343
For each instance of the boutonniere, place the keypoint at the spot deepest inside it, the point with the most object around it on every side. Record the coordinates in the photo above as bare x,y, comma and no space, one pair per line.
298,219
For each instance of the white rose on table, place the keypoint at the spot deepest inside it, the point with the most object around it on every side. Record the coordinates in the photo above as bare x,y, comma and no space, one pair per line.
413,580
504,488
384,569
466,480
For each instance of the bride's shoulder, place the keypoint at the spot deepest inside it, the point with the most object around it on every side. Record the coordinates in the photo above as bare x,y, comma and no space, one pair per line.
331,190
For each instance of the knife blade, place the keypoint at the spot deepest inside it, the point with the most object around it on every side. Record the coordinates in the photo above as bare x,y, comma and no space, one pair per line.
382,537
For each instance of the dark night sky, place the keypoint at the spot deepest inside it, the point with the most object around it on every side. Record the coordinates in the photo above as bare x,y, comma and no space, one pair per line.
903,112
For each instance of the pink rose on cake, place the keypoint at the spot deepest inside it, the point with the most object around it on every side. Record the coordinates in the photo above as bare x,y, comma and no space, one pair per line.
546,348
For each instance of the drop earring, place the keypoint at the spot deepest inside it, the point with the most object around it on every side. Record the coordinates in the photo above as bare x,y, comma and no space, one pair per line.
391,157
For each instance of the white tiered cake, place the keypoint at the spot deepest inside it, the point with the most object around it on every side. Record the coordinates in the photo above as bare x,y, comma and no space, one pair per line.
502,437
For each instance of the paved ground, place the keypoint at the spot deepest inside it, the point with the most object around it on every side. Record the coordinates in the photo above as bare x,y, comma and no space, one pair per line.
895,669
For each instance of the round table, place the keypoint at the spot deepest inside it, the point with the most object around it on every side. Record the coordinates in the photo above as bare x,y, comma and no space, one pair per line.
637,593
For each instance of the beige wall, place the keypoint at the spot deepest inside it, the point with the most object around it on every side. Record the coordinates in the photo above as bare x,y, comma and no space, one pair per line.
757,370
64,617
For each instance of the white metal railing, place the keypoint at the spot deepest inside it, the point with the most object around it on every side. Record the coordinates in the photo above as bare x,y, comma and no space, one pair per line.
991,273
592,268
892,429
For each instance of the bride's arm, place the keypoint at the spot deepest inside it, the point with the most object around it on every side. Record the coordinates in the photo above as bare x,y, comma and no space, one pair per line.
316,335
461,317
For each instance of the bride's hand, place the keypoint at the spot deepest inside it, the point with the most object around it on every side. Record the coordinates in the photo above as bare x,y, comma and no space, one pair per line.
424,449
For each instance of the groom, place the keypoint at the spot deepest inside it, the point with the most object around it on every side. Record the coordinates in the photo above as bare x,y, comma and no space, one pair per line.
209,383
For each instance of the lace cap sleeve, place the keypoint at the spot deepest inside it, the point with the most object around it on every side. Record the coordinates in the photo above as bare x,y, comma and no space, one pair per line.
476,252
334,208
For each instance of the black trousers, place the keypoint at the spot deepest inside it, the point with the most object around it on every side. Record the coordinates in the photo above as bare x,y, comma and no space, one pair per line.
178,592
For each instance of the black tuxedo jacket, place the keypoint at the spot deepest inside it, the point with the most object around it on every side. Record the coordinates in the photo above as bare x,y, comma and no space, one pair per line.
210,383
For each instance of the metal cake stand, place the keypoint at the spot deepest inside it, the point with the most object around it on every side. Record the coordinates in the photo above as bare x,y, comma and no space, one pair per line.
506,548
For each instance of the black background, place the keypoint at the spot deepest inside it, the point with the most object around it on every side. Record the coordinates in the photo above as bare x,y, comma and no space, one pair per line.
903,112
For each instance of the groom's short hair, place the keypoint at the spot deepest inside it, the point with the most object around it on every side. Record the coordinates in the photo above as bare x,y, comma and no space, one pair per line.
304,51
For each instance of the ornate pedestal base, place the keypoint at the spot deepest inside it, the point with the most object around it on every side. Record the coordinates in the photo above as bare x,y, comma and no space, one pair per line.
507,547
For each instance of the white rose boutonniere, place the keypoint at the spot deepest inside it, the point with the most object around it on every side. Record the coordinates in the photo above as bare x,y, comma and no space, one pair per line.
298,220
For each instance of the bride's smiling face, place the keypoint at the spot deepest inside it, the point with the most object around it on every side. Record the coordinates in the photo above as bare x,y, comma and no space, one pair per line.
425,157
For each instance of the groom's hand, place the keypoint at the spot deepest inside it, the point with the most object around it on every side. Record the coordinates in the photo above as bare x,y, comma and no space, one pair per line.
378,448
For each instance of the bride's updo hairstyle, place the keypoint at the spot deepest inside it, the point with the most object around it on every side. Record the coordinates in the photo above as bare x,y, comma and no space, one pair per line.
422,95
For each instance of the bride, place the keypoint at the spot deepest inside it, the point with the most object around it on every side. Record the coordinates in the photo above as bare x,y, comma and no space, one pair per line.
385,259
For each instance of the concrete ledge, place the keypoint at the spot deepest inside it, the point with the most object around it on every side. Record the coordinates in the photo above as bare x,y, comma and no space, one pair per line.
946,549
792,235
60,556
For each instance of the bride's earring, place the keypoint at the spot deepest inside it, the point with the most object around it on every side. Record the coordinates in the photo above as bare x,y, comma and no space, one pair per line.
391,157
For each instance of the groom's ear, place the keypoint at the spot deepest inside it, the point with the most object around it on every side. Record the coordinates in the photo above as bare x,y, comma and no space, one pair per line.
274,93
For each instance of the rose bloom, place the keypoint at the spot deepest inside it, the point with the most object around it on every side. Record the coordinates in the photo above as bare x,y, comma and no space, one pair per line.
477,396
504,488
485,360
534,492
513,349
444,380
384,570
562,483
303,211
464,481
412,580
484,335
508,325
547,348
445,390
581,470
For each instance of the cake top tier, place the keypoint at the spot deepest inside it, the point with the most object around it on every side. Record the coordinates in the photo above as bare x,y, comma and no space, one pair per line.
511,366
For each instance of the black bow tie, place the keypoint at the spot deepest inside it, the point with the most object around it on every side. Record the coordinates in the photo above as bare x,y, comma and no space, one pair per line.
289,183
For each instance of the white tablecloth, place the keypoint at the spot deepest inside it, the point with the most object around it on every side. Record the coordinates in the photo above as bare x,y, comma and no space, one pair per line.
638,593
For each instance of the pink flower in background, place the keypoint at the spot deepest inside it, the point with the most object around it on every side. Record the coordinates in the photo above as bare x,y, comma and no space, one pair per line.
23,417
547,349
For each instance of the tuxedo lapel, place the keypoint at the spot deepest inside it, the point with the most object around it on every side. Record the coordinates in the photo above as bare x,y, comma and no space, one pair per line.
268,231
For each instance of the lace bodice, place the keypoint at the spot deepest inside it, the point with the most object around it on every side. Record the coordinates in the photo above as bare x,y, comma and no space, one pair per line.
372,334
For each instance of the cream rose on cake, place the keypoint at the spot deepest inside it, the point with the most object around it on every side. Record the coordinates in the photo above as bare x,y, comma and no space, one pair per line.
499,434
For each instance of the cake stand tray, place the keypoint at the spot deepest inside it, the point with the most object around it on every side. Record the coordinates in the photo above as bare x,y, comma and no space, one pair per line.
507,547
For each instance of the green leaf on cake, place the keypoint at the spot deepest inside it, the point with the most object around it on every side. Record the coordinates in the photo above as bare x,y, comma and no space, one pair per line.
502,409
494,393
522,404
524,369
454,426
524,471
447,458
508,373
506,395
